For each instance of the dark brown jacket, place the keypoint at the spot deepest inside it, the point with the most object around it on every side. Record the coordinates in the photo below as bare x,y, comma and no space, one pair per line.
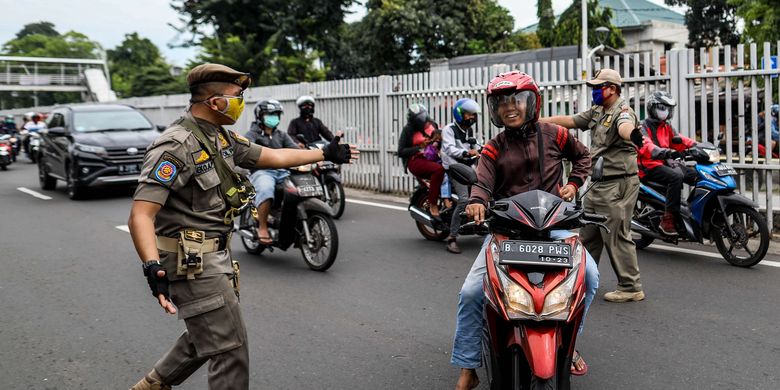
509,165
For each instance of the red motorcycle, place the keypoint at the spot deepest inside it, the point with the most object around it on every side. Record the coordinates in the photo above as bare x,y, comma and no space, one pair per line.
534,288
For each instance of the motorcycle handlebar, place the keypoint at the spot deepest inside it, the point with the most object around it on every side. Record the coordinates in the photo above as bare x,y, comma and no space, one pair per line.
594,217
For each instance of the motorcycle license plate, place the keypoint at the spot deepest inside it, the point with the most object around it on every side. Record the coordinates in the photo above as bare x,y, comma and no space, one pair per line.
129,169
549,254
725,170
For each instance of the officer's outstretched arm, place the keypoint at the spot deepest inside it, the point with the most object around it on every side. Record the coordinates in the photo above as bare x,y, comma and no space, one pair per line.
288,158
560,120
141,224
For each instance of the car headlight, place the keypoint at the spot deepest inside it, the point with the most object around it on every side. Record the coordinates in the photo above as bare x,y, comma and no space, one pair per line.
99,150
714,155
518,301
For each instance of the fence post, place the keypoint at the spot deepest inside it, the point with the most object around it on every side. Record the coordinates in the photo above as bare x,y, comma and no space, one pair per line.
385,176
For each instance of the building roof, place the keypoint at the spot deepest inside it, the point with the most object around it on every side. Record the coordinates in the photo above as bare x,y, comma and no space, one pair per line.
517,57
631,13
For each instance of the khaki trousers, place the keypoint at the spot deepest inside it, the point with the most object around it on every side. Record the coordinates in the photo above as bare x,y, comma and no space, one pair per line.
215,333
615,199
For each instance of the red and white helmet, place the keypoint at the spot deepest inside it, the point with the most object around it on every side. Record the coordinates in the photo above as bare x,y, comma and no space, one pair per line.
514,87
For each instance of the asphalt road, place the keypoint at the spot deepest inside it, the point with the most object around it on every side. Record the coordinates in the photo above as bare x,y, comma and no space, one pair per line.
75,311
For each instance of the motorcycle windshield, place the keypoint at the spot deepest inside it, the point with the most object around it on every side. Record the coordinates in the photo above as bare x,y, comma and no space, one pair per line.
537,210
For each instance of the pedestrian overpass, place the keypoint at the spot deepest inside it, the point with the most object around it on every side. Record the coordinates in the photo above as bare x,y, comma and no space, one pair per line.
90,77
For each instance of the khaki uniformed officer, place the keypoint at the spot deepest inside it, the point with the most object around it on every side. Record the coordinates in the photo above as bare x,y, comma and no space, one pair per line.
180,224
614,134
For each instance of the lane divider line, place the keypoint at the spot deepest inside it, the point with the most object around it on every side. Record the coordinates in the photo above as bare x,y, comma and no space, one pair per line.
653,246
385,206
124,228
34,193
705,254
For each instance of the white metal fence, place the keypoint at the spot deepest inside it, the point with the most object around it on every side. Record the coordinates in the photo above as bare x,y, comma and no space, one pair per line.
720,93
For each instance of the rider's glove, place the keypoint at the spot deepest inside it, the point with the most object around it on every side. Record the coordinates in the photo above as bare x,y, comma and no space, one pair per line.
158,284
339,154
667,154
637,138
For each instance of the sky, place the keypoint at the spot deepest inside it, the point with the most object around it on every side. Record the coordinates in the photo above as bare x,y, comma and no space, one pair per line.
107,21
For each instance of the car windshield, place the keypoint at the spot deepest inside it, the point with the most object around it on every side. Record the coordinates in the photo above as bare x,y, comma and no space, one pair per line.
88,121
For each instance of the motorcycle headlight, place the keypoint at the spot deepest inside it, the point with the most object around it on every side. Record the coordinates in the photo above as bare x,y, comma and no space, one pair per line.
558,302
518,301
714,155
99,150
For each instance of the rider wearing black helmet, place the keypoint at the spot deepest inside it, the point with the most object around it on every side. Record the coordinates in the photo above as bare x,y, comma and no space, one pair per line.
306,124
265,132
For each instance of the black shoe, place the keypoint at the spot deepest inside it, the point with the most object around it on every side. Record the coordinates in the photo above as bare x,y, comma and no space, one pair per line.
452,246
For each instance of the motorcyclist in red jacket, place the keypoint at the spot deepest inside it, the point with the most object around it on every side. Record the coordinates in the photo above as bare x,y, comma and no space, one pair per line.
659,157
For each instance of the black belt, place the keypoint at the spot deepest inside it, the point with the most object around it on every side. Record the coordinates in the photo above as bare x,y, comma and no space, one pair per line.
616,177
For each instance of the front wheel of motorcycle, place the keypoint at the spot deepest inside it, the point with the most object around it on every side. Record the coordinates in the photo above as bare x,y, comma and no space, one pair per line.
750,240
544,384
246,222
321,253
337,198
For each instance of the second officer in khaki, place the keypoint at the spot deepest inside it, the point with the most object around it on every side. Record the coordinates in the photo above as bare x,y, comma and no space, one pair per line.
614,134
181,221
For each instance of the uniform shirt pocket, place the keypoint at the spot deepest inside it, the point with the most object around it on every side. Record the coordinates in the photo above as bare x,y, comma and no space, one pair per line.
209,197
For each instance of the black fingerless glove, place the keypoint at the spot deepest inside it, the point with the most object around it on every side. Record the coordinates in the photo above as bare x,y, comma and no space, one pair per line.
334,152
158,284
637,138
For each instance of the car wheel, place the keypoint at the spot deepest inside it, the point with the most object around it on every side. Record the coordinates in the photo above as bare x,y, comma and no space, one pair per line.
75,190
47,182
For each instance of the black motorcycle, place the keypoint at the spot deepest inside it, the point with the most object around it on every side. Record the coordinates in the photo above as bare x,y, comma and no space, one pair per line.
298,217
438,229
329,176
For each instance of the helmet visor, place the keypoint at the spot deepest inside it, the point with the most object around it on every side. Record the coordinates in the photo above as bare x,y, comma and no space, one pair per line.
512,110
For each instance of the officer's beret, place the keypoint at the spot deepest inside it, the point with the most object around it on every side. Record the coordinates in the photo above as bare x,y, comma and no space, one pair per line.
207,73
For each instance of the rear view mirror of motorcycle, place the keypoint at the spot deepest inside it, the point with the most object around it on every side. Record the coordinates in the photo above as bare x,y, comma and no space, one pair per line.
595,177
677,140
472,141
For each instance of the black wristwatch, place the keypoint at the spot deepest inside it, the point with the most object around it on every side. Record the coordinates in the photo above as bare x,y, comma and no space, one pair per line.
146,264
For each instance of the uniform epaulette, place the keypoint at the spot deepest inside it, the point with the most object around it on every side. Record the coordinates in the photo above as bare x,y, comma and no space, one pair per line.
239,138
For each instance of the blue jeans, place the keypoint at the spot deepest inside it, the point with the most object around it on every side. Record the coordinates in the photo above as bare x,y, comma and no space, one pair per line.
445,187
265,181
467,347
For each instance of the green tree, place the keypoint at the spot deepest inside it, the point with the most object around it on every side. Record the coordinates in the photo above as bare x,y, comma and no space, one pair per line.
762,19
42,40
546,30
272,33
710,22
138,69
568,30
42,28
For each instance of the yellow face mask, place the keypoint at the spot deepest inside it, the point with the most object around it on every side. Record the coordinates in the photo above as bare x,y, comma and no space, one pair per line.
234,107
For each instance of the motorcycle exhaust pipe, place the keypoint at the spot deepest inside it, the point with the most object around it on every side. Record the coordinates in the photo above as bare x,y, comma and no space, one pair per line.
421,216
246,234
642,229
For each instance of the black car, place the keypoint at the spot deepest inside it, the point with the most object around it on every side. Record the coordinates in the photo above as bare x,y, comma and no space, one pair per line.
94,145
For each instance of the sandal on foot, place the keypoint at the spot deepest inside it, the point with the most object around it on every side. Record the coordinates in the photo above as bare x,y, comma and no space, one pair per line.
578,360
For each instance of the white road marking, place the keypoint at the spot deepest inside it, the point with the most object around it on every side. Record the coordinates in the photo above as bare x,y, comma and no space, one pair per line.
386,206
34,193
123,228
705,254
654,246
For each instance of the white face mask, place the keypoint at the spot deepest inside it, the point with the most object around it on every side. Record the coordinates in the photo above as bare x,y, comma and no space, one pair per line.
662,113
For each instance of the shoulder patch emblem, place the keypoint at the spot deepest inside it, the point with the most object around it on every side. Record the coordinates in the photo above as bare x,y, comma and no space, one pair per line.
624,115
240,138
223,141
166,169
200,157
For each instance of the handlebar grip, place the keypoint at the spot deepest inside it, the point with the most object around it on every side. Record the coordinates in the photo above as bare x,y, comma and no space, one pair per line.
595,217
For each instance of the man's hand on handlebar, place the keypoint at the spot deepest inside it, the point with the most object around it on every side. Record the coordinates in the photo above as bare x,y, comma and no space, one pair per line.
476,211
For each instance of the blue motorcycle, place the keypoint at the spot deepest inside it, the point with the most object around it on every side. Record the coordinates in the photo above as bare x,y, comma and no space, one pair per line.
714,210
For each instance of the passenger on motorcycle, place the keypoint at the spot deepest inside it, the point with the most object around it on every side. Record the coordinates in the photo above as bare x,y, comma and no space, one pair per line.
307,125
455,148
415,136
657,159
511,163
264,131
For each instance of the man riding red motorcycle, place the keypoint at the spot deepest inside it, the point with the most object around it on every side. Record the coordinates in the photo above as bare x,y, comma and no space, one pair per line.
526,156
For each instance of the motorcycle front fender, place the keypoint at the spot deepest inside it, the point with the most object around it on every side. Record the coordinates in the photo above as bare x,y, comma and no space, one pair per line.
727,200
540,346
312,204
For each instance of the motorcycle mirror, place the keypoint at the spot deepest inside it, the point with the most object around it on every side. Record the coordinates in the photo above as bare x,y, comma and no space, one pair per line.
160,128
57,131
463,174
472,141
677,140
